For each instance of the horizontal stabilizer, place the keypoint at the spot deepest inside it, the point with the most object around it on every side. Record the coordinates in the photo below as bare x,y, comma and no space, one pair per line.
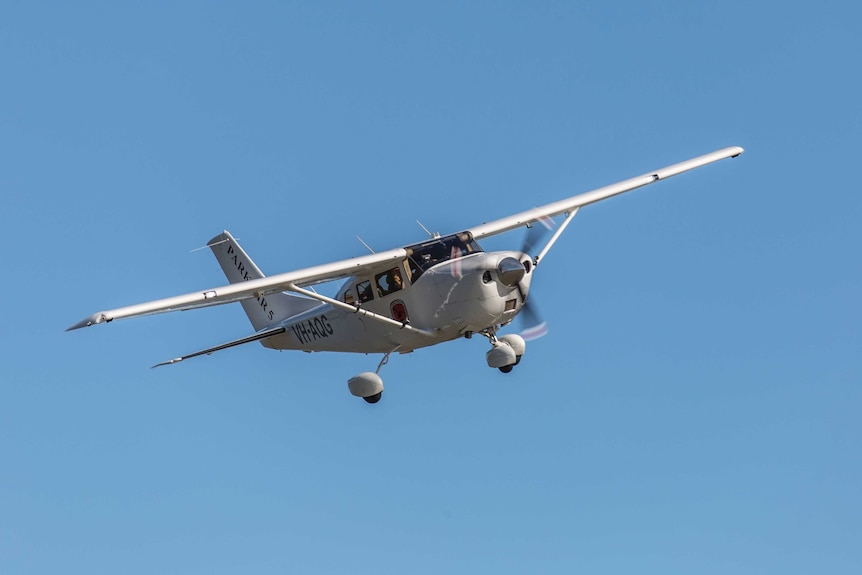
256,337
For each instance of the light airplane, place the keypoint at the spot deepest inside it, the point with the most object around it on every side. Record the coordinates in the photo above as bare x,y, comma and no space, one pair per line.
398,300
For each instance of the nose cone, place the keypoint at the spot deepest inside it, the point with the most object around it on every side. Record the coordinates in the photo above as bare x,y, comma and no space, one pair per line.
510,271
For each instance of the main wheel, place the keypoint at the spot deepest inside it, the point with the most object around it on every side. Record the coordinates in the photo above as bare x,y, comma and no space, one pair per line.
506,368
373,398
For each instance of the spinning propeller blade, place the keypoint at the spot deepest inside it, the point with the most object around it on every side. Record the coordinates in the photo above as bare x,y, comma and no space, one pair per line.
532,324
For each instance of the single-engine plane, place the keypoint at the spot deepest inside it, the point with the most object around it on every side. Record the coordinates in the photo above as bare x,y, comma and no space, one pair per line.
400,300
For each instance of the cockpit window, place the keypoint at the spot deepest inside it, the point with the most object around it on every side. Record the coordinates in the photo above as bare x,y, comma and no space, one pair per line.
389,282
363,289
348,297
422,256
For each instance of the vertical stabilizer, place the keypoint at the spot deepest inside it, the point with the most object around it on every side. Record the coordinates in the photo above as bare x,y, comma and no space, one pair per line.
238,267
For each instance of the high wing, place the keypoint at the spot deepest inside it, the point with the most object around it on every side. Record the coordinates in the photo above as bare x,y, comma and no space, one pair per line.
246,290
570,205
291,280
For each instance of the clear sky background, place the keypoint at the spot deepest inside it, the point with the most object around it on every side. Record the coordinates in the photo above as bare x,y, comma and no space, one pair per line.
694,409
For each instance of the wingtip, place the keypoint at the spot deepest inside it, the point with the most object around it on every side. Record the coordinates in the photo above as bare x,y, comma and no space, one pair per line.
88,321
169,362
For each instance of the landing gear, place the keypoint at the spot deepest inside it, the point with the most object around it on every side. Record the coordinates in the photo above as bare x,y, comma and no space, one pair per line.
505,352
368,385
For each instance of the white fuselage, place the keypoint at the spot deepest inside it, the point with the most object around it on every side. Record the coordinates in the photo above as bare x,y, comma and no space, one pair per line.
450,299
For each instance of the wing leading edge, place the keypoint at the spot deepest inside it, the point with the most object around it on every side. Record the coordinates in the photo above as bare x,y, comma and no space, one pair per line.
570,204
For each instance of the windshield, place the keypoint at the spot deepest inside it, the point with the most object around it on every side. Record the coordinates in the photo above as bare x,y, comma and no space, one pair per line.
422,256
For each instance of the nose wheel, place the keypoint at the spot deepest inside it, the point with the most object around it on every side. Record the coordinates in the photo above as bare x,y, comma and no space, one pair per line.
506,351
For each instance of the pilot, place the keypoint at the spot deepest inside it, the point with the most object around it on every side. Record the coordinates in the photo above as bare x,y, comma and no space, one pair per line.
393,281
393,278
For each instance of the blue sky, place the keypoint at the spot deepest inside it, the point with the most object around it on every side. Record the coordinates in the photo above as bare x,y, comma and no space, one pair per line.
694,409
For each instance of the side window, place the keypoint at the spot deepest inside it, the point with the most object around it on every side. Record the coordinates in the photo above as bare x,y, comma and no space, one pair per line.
363,289
389,282
348,297
414,267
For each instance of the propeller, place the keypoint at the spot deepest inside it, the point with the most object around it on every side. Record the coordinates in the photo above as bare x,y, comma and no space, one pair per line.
532,324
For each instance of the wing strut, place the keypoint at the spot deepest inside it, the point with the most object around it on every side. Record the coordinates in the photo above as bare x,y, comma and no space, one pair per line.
359,310
554,237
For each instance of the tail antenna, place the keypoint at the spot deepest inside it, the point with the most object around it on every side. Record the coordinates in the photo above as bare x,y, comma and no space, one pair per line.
211,245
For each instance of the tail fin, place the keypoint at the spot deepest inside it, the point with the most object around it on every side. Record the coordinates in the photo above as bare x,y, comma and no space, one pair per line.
238,267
